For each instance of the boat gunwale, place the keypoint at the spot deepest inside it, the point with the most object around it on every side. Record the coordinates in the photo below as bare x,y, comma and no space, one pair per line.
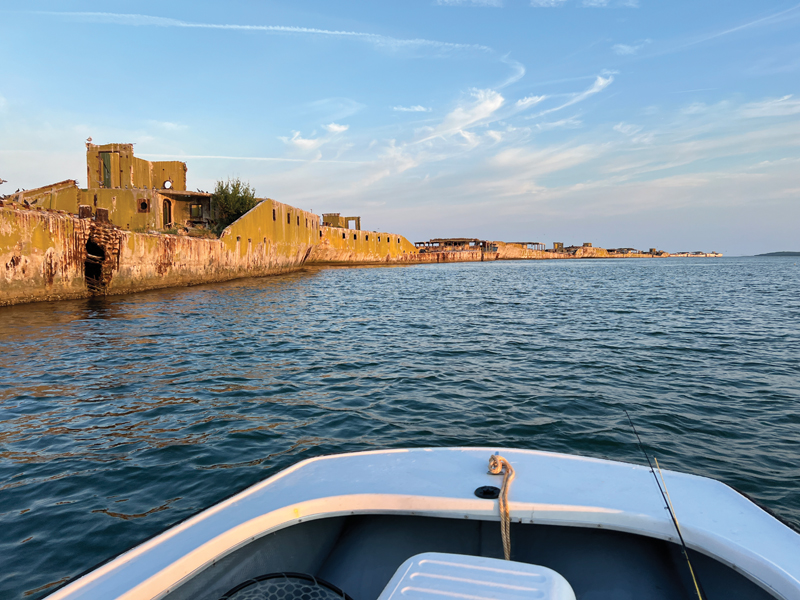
383,506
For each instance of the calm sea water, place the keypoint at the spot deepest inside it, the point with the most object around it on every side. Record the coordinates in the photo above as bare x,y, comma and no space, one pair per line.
121,416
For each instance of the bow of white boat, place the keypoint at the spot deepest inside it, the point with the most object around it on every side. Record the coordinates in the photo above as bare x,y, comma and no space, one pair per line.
549,489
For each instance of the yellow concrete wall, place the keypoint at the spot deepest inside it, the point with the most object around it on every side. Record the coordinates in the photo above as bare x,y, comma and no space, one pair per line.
58,196
338,245
173,170
123,207
40,255
127,171
272,231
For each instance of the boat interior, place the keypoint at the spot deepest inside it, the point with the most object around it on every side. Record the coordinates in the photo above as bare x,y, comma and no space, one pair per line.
359,554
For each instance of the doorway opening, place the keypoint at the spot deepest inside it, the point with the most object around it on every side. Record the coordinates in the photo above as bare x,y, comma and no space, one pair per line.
93,267
167,214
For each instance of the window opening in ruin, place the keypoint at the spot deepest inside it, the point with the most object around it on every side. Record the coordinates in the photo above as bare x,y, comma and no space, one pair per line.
354,236
298,220
105,161
196,211
366,238
274,217
167,212
306,222
343,236
379,238
289,219
93,266
320,233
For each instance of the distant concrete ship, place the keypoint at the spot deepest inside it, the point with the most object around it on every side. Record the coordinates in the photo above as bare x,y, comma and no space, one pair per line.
136,226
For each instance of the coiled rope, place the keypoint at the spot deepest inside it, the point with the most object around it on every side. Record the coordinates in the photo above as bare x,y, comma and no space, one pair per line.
498,465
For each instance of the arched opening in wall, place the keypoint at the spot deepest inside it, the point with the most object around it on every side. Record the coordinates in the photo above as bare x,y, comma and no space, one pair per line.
93,267
167,213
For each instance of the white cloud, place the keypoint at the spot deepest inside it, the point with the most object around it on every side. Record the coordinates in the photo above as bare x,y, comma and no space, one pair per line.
416,108
629,49
335,128
497,136
780,107
627,128
595,3
547,3
569,123
598,86
301,143
484,104
374,38
495,3
529,101
518,70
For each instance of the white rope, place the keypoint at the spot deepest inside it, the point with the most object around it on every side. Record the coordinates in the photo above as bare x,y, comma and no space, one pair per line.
497,464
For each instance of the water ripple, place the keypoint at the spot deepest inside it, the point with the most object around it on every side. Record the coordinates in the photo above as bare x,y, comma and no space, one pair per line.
124,415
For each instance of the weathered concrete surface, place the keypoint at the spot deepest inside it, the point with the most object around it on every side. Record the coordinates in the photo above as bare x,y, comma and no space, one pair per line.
52,255
340,246
337,245
42,255
520,252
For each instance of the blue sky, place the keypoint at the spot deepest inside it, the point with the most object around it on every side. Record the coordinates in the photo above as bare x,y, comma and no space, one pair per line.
640,123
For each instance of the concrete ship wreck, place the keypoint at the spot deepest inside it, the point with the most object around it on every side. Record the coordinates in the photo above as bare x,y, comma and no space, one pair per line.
137,227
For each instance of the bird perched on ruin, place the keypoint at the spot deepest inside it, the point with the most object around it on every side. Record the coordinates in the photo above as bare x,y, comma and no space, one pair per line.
88,139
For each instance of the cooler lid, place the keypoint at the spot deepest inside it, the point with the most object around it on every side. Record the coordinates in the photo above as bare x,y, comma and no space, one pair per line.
438,576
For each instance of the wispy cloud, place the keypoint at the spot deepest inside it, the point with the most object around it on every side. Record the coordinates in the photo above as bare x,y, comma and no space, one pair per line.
547,3
627,128
629,49
494,3
595,3
518,70
771,19
416,108
484,104
333,108
298,142
245,158
168,125
780,107
335,128
600,83
568,123
374,38
529,101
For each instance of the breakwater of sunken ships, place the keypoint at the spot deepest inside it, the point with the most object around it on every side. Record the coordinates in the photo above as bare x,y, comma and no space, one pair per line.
137,227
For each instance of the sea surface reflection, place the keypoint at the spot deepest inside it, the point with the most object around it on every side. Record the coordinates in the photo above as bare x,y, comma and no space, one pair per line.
123,415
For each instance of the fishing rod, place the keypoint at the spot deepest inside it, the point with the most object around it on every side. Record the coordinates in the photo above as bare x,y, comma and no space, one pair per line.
668,503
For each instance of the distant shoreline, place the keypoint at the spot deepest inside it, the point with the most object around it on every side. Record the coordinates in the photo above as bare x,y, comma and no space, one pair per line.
780,254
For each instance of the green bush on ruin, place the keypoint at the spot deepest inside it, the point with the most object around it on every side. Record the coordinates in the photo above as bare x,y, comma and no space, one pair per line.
230,200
